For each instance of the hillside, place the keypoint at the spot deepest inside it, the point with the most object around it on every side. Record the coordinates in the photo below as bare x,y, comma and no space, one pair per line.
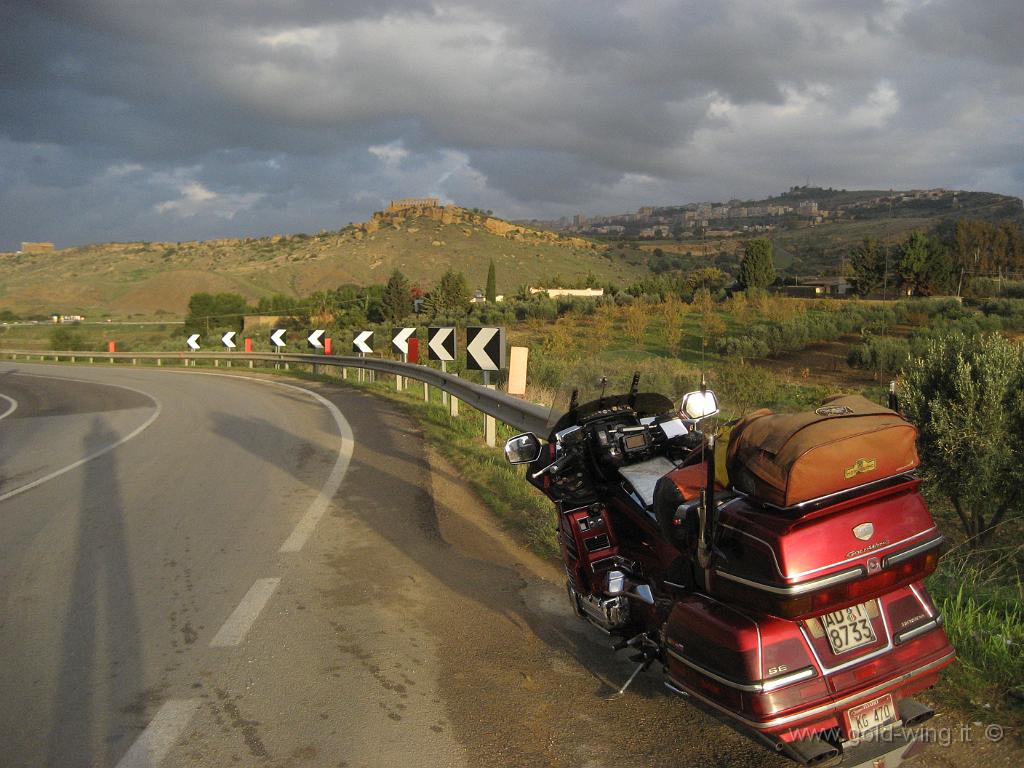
812,228
156,278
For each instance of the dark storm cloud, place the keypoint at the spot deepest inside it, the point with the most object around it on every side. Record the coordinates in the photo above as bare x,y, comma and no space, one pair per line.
160,120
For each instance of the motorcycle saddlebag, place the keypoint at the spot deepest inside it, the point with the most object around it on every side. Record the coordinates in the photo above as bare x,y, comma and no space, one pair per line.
788,459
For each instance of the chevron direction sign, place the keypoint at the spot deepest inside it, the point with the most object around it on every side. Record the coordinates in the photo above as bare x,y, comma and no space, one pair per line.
277,338
193,342
228,340
314,339
441,344
485,349
400,339
363,343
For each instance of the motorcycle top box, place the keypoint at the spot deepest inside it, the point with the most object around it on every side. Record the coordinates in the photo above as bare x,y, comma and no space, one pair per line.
796,565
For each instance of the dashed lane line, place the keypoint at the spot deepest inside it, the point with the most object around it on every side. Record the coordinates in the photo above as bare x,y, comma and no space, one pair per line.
163,730
243,617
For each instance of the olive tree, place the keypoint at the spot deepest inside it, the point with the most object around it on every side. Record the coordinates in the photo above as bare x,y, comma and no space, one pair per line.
966,396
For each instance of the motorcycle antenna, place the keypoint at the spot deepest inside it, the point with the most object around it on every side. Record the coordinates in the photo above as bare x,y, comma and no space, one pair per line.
634,387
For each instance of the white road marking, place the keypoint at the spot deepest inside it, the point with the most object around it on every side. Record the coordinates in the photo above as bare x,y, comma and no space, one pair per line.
156,741
11,409
302,530
238,623
95,454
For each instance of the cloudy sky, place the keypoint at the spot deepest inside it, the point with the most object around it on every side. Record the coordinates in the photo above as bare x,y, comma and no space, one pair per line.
180,119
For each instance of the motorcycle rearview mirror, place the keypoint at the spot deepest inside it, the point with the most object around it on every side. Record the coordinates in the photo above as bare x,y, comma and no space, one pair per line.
523,449
699,404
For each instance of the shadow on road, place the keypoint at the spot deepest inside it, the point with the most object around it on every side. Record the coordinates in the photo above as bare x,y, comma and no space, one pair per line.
100,652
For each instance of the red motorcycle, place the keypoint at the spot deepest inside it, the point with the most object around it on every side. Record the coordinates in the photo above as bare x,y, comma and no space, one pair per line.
778,582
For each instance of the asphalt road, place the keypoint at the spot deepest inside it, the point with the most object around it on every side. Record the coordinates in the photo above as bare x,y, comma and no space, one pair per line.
257,574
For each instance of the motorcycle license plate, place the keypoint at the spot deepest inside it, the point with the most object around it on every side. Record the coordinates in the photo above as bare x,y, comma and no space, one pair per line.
849,628
868,717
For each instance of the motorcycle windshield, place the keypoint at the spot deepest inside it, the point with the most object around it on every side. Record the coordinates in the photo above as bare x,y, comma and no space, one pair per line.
593,392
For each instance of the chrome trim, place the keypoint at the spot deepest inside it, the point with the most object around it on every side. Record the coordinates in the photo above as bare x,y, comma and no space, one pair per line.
831,707
796,589
906,554
674,689
852,662
764,686
873,552
921,600
853,491
919,630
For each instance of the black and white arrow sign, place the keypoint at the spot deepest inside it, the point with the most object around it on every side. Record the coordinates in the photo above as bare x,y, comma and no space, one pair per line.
363,343
400,339
228,340
314,339
193,341
485,349
277,337
441,344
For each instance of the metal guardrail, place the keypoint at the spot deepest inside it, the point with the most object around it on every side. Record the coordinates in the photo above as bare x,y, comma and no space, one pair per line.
523,415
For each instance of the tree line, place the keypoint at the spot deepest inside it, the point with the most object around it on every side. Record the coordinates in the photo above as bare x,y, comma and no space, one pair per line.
943,262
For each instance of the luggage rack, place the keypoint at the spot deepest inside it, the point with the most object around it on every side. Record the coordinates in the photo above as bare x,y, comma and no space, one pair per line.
828,500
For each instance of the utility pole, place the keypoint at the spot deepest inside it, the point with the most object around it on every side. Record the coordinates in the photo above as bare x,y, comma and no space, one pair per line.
885,275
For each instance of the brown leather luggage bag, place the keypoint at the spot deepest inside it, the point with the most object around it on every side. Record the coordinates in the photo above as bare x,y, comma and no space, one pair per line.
787,459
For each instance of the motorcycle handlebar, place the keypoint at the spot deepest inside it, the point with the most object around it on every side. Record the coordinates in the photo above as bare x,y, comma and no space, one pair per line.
556,466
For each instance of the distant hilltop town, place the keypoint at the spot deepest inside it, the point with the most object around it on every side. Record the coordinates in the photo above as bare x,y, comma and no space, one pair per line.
413,202
800,206
36,247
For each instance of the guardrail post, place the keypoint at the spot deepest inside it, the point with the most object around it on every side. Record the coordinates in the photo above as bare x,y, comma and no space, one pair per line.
344,373
250,363
426,392
453,403
216,363
134,361
90,361
490,425
159,362
111,361
184,361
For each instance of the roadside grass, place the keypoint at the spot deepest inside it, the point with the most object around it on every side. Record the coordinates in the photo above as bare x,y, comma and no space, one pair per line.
981,597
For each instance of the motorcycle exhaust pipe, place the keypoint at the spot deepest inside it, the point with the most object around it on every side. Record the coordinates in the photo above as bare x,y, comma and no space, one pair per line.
810,751
914,712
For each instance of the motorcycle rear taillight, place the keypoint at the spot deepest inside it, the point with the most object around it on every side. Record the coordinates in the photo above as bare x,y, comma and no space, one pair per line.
835,597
